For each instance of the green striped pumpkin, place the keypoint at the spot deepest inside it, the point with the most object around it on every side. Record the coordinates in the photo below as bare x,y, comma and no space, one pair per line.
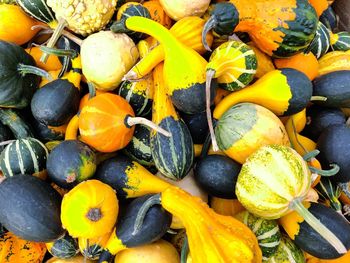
266,231
64,247
340,41
24,156
287,252
139,148
173,156
139,95
234,64
321,43
39,10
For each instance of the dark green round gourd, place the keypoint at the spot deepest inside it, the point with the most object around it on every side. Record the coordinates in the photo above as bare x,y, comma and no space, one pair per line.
197,125
335,86
342,42
56,102
139,148
17,86
5,135
37,9
30,208
321,43
70,163
47,133
329,18
24,156
333,145
64,247
217,175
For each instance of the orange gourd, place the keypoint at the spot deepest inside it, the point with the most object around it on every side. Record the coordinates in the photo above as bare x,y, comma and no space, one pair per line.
265,64
157,13
319,5
52,64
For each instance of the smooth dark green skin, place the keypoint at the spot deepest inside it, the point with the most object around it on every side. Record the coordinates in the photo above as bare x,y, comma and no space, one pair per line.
329,18
30,208
38,9
15,123
335,86
319,118
65,247
226,17
301,88
300,31
217,175
112,172
14,159
182,143
136,101
15,90
143,134
66,159
156,223
55,103
192,99
5,135
322,35
197,124
333,145
313,243
44,133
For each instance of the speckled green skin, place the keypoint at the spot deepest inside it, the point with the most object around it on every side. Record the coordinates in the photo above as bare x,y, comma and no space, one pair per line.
287,252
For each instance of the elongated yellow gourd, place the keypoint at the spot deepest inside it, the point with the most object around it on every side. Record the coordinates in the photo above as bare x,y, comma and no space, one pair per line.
186,83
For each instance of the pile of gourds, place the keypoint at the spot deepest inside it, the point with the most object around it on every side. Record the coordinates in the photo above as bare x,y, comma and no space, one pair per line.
174,131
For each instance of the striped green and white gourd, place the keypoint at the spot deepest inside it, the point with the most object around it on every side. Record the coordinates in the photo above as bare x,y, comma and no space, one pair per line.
64,247
39,10
287,252
24,156
139,148
234,64
321,43
329,193
266,231
340,41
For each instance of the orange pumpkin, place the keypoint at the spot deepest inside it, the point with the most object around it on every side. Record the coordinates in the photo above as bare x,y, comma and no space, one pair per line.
86,97
157,13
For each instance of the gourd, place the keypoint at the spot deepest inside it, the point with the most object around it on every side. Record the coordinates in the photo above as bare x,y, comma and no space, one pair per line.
157,13
92,248
329,193
156,222
156,252
187,81
345,193
128,178
24,156
39,10
281,181
34,204
70,163
178,9
330,19
52,64
308,239
340,41
238,137
211,237
14,249
15,123
279,28
266,231
76,259
17,79
172,156
319,5
114,118
90,209
106,57
226,207
343,259
64,247
187,30
197,124
334,61
48,133
16,26
265,64
321,43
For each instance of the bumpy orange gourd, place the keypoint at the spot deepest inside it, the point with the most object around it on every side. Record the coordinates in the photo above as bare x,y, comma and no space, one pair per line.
157,13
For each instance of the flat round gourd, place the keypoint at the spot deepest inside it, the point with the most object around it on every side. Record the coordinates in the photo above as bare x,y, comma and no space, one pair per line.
24,156
340,41
70,163
321,43
92,248
64,247
30,208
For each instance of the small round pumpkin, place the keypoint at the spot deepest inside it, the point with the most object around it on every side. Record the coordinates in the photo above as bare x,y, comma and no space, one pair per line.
92,248
64,247
90,209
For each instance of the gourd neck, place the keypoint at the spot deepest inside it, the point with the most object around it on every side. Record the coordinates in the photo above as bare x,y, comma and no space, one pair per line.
28,69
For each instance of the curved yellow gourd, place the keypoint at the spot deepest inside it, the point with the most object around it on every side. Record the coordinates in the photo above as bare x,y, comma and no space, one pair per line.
334,61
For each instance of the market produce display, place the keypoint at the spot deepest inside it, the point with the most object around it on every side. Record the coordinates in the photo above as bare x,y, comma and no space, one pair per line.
174,131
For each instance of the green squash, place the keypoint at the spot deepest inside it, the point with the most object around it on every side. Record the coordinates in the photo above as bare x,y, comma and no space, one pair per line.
321,43
39,10
64,247
340,41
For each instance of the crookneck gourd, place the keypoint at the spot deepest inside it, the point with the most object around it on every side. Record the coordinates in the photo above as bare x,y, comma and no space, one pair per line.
279,28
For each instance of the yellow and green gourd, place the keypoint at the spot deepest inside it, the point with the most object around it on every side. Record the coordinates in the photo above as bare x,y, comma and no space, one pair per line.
340,41
321,43
64,247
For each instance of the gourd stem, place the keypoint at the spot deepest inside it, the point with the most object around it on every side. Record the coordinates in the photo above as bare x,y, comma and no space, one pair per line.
141,214
334,170
6,142
72,37
318,226
209,76
59,52
209,25
28,69
184,250
318,98
131,121
308,156
55,36
92,90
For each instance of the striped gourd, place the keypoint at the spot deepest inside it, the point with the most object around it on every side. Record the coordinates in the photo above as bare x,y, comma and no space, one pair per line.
234,65
266,231
93,247
24,156
287,252
64,247
329,193
340,41
39,10
139,148
173,156
321,43
334,61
